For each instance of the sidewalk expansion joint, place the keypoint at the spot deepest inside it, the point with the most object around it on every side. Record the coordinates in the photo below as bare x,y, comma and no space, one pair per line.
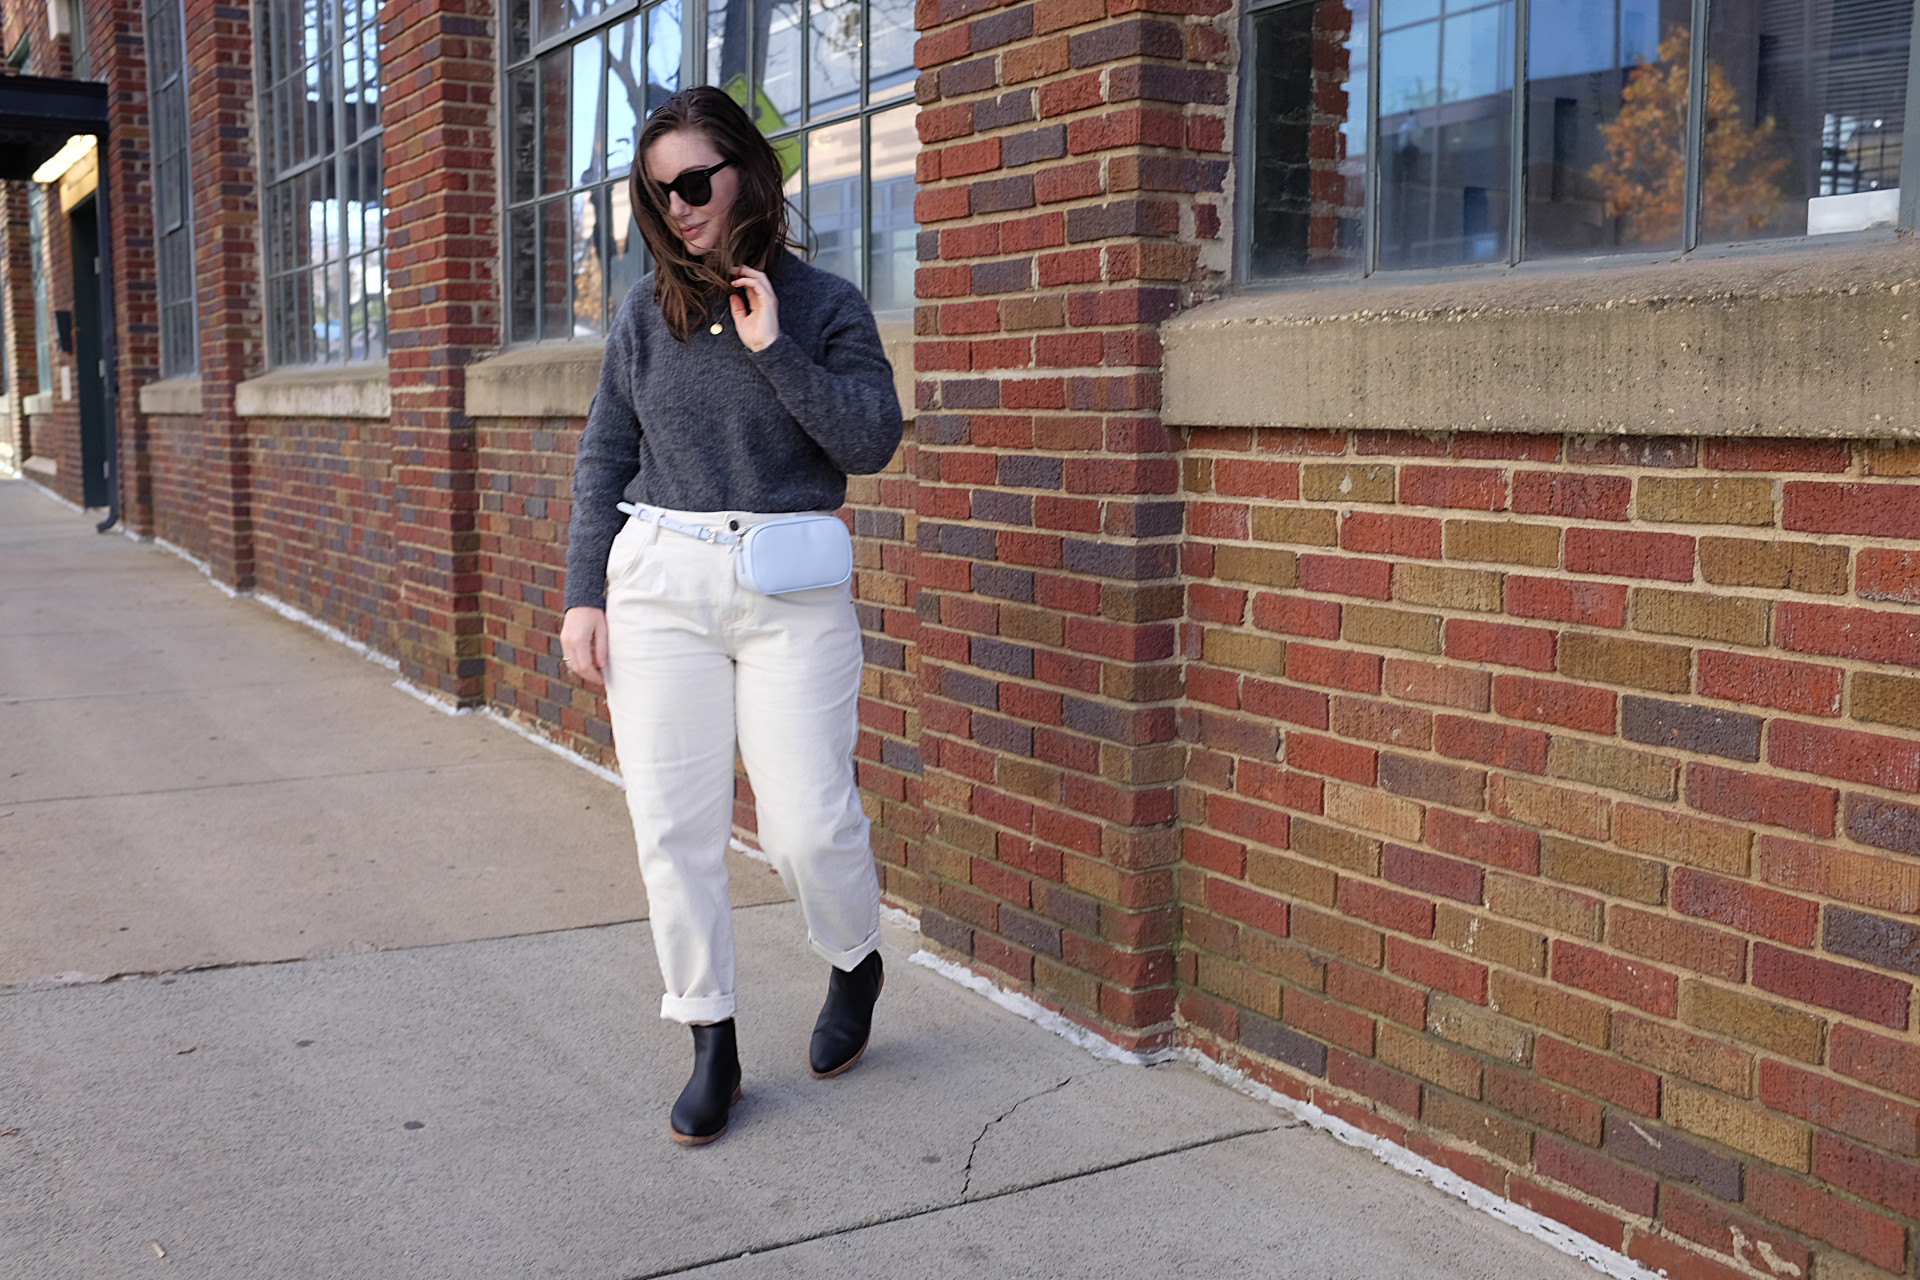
830,1233
259,782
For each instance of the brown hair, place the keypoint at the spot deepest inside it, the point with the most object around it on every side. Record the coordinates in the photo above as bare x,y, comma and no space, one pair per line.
684,284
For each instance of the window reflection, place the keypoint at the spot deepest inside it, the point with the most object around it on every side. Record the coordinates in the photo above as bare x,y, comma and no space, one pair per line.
1309,137
1805,105
893,146
1606,126
1446,82
833,198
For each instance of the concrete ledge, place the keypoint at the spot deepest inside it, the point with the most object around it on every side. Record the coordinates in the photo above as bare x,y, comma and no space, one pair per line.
332,391
1819,343
176,397
557,379
41,403
41,466
547,380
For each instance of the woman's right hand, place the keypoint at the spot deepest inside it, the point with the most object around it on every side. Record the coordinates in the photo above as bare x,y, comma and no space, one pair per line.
583,645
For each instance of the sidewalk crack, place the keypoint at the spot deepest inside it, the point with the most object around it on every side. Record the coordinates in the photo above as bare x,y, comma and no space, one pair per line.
987,1128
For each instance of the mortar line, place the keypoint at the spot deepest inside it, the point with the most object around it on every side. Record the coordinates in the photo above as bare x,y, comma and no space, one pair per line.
909,1216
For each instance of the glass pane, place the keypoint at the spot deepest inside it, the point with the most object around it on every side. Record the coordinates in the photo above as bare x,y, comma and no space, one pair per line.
523,277
561,15
553,122
1606,125
556,320
589,276
589,97
835,49
1805,102
833,198
892,150
727,46
890,38
626,94
779,57
1446,87
626,253
519,29
663,52
1310,138
522,134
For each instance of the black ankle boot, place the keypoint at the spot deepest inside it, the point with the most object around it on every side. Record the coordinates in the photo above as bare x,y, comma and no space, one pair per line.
700,1115
846,1019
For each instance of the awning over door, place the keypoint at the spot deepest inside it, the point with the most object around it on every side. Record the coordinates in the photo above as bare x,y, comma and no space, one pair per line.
37,116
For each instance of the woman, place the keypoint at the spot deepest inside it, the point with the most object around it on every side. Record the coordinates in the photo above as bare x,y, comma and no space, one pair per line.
739,385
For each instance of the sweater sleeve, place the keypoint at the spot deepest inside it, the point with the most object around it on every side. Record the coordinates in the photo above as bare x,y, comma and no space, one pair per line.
846,403
608,460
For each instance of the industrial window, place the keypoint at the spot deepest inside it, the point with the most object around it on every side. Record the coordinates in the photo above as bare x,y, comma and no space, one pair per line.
172,190
832,87
322,221
42,308
1388,134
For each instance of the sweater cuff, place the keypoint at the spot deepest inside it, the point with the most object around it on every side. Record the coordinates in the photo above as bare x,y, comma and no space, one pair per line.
778,357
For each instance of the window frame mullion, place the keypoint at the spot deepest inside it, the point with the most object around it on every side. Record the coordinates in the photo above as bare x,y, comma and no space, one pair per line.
1696,126
1910,133
1517,143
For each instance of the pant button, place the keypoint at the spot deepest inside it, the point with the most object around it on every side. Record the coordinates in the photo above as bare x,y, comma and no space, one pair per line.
734,525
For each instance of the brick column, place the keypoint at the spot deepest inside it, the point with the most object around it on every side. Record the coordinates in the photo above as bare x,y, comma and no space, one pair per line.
226,266
1070,180
116,47
443,308
16,312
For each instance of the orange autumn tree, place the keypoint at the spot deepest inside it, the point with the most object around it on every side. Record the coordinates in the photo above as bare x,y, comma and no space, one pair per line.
1644,177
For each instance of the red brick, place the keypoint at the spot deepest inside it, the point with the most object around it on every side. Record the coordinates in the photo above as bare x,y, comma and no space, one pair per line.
1778,455
1572,495
1571,706
1328,1021
1815,1211
1596,1175
1680,943
1628,981
1745,906
1544,1105
1872,996
1334,668
1248,906
1678,1261
1753,797
1477,488
1602,1075
1494,843
1875,510
1331,756
1377,994
1503,746
1893,1065
1381,533
1883,574
1704,1222
1667,557
1588,1221
1371,1080
1590,604
1872,758
1440,970
1800,687
1870,635
1843,1108
1367,901
1347,576
1203,849
1887,1181
1471,640
1431,873
1297,615
1278,481
1284,702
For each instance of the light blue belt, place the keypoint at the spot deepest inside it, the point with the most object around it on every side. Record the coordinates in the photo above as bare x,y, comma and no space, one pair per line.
655,516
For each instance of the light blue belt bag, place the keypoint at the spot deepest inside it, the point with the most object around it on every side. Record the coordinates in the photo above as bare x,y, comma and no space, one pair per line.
794,553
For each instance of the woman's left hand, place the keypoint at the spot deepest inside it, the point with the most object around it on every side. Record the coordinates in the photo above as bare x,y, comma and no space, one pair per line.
757,320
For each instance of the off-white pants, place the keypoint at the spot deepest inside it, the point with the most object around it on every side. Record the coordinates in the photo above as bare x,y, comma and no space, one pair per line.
699,663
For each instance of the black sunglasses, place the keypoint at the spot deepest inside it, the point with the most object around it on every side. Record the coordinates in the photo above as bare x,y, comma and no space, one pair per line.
695,186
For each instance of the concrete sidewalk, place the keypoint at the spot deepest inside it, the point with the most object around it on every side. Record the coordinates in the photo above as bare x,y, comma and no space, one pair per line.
383,1004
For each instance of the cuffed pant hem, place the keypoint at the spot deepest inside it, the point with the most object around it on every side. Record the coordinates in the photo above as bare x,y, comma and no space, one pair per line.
696,1008
847,961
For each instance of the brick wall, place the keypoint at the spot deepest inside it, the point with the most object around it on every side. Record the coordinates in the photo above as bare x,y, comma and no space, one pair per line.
322,519
1553,806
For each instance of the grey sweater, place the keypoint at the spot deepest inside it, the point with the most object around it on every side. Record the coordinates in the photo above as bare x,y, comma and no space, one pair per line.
707,425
